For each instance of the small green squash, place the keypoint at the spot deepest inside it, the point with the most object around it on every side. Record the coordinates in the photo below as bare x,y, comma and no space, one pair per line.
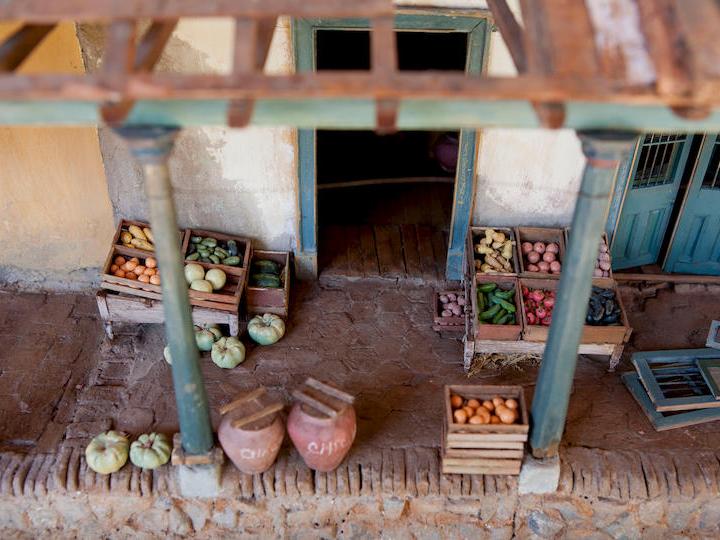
150,451
266,280
266,329
204,339
228,353
264,266
107,452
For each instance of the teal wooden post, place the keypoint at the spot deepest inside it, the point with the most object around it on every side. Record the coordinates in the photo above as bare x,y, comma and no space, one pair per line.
603,150
151,146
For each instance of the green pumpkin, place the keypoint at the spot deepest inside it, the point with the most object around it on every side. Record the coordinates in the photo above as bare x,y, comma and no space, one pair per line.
204,339
107,452
227,353
150,451
266,329
215,329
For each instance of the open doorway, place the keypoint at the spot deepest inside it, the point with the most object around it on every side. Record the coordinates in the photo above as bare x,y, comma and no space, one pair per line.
384,202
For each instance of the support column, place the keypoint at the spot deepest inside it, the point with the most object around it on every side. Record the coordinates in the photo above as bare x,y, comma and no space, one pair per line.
151,146
603,150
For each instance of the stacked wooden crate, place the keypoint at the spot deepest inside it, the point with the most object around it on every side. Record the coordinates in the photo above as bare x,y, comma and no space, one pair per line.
484,448
676,388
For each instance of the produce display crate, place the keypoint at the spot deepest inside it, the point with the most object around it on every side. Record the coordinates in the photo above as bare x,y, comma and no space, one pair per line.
260,300
136,252
447,324
124,285
603,238
539,234
617,335
485,448
500,332
244,244
480,231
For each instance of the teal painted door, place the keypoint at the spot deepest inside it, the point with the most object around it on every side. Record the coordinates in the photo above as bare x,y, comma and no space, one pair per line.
652,187
695,248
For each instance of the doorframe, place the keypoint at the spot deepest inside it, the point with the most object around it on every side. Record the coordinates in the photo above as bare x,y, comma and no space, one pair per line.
477,28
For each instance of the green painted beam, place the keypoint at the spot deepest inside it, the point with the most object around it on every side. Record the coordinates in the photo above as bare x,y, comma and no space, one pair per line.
360,114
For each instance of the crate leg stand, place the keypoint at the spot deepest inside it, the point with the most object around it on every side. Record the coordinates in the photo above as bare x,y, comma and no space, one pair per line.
602,150
198,467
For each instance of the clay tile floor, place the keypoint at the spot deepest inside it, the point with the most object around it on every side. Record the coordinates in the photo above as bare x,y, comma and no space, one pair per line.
62,380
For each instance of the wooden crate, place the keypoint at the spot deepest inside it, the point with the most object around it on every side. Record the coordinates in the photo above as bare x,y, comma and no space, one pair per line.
591,334
480,231
539,234
260,300
501,332
243,243
447,324
115,307
488,448
124,285
603,238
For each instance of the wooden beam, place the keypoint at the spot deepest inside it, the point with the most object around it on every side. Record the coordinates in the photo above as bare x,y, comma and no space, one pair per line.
383,51
45,11
16,48
148,53
265,32
511,32
119,59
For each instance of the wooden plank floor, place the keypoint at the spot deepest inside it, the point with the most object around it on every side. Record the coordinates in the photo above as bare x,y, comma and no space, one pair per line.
388,251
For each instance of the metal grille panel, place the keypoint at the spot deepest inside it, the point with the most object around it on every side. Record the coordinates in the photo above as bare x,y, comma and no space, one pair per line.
711,180
657,160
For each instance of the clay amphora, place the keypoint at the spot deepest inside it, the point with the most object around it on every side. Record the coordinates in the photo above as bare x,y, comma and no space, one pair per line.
253,447
322,441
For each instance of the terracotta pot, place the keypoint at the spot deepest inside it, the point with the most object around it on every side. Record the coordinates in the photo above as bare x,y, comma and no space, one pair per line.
252,448
323,442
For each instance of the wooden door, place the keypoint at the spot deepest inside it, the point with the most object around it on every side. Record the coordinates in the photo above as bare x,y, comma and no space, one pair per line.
653,185
695,247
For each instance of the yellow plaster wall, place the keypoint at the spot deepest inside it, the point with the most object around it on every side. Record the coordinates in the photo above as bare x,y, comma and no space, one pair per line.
55,216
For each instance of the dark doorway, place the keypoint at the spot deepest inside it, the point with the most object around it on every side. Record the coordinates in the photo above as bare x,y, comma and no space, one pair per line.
385,201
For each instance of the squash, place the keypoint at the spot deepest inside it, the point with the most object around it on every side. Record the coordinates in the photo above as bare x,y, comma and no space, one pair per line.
204,339
266,280
227,353
150,451
266,329
107,452
266,267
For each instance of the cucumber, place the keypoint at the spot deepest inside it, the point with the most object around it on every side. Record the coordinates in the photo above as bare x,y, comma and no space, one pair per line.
490,313
214,258
264,266
507,306
493,299
481,302
232,261
193,257
205,260
266,280
196,239
203,251
499,316
509,318
220,252
232,247
487,287
209,242
505,295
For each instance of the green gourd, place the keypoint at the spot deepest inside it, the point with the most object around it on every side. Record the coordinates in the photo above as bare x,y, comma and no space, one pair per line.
227,353
107,452
266,329
266,280
266,266
150,451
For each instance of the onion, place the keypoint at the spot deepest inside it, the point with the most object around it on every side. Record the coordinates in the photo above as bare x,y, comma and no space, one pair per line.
549,256
552,247
598,273
452,297
539,247
533,257
544,266
460,416
456,310
444,299
532,268
461,300
555,267
604,265
446,313
526,247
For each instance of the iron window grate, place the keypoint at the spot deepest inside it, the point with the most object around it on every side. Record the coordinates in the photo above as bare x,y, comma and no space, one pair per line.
711,180
656,163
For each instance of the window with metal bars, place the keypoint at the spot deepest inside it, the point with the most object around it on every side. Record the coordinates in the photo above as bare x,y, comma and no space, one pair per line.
711,180
657,160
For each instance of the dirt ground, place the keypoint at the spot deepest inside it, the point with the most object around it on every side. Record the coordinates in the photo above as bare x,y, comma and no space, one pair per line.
60,377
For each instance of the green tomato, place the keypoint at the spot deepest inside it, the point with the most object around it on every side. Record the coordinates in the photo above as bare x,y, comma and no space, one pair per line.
228,355
107,452
267,329
150,451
